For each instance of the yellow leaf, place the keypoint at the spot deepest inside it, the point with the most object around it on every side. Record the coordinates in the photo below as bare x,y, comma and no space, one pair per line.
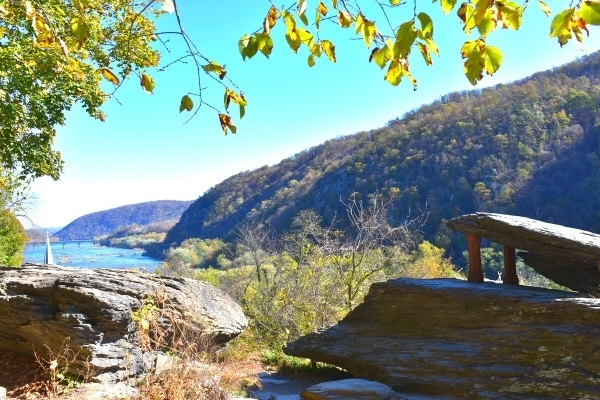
329,49
394,73
447,5
225,121
147,83
322,9
344,19
311,60
270,19
562,24
397,70
367,28
215,68
186,104
383,55
109,76
544,8
44,36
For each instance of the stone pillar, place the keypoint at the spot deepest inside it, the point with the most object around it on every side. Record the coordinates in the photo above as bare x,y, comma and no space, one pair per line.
474,246
510,266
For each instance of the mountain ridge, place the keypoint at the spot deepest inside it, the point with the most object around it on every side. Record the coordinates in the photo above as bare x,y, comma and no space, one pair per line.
107,221
529,148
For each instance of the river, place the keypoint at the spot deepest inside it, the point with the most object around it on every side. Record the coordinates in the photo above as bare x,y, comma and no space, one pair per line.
87,255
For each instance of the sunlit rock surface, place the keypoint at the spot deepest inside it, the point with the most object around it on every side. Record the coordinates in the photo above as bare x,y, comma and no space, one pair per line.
44,305
468,340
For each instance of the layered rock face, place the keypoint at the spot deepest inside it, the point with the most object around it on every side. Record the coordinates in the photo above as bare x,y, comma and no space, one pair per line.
44,305
467,340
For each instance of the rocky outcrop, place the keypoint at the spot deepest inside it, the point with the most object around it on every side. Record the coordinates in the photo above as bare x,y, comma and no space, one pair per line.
41,306
356,389
570,257
454,338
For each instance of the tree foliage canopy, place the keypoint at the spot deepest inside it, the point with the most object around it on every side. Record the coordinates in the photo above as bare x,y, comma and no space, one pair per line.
55,53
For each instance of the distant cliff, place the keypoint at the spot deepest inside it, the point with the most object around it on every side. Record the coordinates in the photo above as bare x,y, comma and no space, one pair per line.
107,221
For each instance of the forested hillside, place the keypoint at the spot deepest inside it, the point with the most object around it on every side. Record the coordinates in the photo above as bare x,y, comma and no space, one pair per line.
108,221
529,148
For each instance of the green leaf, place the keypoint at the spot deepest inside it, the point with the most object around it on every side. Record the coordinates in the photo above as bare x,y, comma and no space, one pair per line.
447,5
186,104
492,58
248,46
426,31
293,39
405,38
80,29
473,67
311,60
487,24
509,13
465,13
383,55
264,43
481,8
590,12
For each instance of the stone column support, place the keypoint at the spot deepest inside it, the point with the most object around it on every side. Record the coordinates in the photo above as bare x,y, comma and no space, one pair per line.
510,266
474,246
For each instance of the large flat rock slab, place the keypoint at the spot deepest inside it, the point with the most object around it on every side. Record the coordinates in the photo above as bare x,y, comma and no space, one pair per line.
43,305
568,256
455,338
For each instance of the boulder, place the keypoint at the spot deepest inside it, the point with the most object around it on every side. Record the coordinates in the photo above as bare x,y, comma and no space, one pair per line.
568,256
356,389
92,312
477,340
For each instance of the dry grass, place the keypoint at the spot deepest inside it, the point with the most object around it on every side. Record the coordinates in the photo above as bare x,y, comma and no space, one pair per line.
196,368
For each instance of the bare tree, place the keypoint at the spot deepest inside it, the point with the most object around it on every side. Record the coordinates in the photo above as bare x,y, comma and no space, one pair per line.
371,243
257,240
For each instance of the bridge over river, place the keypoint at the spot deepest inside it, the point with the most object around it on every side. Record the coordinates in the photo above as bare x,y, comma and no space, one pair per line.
65,243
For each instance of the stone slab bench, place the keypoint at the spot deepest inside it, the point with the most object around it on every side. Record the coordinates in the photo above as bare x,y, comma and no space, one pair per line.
568,256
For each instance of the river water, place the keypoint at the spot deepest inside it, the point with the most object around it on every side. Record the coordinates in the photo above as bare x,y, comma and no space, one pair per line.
87,255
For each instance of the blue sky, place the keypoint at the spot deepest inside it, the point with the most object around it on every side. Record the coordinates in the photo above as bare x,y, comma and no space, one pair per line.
145,151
